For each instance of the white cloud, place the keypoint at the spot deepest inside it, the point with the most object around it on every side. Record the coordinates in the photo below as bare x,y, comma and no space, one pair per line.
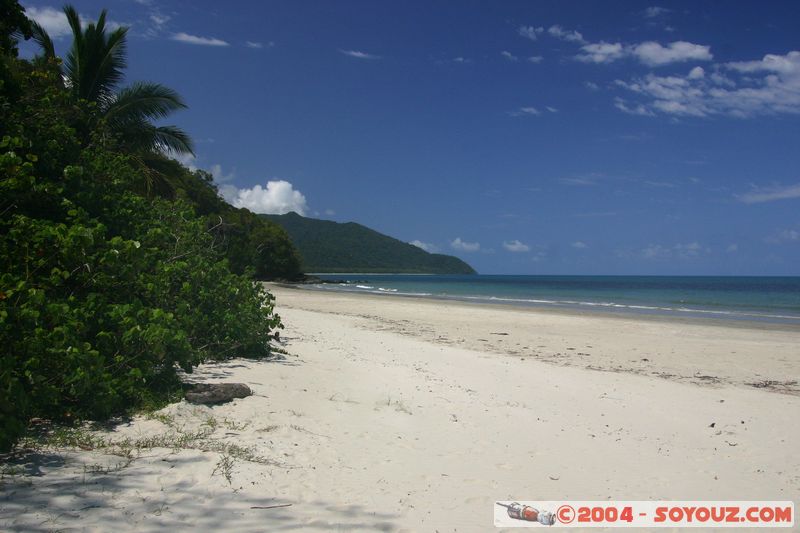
769,86
525,112
219,176
460,59
535,59
771,194
601,52
201,41
428,247
330,212
464,246
565,35
187,160
592,86
732,248
654,54
697,73
278,198
529,32
551,109
508,55
655,12
579,245
54,21
516,246
254,44
787,64
359,54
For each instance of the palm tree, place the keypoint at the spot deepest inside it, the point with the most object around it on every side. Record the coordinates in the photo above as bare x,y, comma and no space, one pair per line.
94,69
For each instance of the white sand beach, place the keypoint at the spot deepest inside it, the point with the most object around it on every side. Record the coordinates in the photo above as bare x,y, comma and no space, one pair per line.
400,414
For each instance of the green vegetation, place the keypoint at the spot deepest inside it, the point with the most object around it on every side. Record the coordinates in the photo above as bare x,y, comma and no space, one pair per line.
327,246
111,281
94,67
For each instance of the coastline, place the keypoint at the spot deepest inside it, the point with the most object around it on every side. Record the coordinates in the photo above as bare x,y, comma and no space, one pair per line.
395,414
568,310
707,351
772,300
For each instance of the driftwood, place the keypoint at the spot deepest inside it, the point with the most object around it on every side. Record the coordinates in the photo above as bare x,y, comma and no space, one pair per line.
214,393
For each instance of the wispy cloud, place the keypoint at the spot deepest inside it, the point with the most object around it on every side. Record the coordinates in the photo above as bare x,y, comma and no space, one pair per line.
530,32
534,59
650,53
464,246
525,112
508,55
580,245
783,236
580,181
358,54
516,246
633,109
254,44
566,35
655,12
772,194
680,251
159,19
196,40
593,214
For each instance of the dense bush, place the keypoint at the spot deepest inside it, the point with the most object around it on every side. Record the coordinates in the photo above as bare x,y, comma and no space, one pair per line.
250,242
104,292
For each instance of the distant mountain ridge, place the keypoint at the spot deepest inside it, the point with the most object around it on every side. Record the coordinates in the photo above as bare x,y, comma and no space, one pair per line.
327,246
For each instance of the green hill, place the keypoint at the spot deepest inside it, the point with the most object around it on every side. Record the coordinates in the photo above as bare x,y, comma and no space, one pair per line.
327,246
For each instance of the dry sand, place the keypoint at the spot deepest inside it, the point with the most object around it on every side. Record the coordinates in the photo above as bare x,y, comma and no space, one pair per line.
416,415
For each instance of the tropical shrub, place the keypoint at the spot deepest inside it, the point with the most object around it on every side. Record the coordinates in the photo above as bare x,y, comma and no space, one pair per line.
105,292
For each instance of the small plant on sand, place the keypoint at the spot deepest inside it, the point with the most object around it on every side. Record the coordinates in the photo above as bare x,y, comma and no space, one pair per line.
233,425
211,422
225,467
167,420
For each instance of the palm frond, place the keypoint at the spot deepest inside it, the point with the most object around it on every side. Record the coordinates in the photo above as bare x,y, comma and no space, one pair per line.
112,63
43,39
139,136
173,139
74,21
96,61
143,101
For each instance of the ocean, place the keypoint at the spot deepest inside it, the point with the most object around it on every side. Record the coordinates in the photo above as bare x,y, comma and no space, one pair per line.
767,299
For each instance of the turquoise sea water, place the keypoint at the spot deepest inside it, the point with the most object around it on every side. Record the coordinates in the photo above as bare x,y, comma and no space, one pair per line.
770,299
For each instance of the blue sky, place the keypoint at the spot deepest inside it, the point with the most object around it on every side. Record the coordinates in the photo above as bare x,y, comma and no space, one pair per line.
525,137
